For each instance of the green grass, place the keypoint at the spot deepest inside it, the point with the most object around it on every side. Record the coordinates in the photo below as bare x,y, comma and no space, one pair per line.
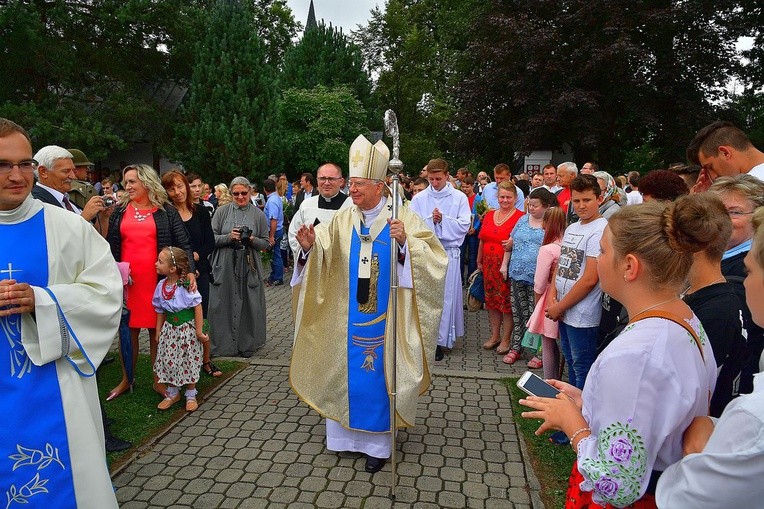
136,417
551,463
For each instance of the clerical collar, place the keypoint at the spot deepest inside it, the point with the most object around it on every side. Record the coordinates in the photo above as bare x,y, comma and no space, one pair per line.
447,190
370,215
27,208
333,203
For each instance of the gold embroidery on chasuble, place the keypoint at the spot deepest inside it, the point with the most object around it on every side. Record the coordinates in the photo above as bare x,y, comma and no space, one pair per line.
369,345
370,306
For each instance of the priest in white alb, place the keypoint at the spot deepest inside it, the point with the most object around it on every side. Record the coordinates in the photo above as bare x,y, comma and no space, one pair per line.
60,303
342,355
446,211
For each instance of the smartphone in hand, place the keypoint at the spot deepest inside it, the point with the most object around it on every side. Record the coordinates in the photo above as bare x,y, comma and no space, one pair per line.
534,385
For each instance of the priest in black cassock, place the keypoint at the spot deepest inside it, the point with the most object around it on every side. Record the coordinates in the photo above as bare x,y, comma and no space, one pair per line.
321,208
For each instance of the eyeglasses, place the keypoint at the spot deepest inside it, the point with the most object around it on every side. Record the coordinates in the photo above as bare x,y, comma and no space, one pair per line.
240,193
738,213
329,180
362,182
26,166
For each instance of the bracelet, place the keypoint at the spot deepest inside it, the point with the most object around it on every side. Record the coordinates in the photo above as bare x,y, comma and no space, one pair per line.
578,432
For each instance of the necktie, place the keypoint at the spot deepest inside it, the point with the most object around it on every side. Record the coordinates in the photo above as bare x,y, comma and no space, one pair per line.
68,204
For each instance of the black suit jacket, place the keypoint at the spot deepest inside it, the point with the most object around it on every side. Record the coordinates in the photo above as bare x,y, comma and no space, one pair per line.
301,197
44,196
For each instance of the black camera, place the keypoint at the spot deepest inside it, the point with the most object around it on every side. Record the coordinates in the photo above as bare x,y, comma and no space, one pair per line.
245,235
108,201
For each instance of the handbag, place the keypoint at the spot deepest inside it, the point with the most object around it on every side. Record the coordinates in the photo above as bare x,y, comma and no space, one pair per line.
531,340
476,291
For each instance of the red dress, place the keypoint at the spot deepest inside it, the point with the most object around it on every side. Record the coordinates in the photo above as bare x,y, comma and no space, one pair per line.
492,235
139,247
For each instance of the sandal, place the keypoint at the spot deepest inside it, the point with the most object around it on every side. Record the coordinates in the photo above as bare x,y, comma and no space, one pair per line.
511,357
490,345
503,349
535,363
211,369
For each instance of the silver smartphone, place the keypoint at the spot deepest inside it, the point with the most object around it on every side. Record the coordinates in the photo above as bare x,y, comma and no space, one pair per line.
532,384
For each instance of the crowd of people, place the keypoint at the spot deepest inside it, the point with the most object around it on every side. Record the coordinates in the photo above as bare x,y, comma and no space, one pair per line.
640,286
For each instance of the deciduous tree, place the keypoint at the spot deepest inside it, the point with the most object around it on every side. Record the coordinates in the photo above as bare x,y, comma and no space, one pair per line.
318,125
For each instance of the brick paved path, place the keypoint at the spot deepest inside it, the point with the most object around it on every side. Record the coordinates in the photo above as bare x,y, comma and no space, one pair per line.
253,444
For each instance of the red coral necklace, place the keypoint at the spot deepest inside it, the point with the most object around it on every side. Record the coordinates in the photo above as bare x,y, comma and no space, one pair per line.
168,294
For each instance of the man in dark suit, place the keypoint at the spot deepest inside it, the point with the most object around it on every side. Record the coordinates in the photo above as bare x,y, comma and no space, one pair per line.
308,185
55,174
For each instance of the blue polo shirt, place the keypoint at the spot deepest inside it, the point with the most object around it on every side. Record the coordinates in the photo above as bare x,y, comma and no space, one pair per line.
274,209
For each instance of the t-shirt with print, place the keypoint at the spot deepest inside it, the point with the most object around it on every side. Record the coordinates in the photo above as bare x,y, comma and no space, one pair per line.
580,241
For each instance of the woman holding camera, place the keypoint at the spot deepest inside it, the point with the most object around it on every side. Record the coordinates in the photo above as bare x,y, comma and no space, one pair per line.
141,225
237,293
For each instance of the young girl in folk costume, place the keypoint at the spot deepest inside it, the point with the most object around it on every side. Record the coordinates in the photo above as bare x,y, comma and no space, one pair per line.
180,322
554,227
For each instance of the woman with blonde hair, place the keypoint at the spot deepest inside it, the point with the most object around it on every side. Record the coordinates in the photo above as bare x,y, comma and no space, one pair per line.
648,385
139,228
223,195
282,184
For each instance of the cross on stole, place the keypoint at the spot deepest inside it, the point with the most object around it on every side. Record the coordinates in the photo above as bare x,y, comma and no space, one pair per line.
10,270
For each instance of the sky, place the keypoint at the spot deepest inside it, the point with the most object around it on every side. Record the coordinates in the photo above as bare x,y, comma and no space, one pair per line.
346,14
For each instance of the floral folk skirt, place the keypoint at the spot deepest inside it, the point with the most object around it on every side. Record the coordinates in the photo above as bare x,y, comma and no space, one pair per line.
179,355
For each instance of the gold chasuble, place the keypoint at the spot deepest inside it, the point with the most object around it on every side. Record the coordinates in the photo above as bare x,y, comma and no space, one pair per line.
322,372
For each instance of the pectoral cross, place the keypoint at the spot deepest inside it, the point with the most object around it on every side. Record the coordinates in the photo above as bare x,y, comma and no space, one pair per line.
10,271
357,158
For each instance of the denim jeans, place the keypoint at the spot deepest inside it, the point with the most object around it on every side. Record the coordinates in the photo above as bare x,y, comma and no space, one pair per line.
579,346
277,264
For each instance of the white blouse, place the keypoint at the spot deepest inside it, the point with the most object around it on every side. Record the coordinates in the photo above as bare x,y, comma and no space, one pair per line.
729,471
640,395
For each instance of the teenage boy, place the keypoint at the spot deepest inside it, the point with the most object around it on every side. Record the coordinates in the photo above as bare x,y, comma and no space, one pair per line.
576,304
446,212
420,184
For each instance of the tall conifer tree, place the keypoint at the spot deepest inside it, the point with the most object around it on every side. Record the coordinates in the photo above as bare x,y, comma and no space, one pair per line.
227,122
325,56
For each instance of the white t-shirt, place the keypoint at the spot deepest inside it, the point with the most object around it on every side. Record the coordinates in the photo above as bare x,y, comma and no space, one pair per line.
633,198
758,171
580,241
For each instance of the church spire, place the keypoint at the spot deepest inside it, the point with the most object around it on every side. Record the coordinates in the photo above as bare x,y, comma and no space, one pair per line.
311,23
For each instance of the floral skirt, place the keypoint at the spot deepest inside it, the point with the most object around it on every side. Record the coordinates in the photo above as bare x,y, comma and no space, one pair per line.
179,355
497,294
578,499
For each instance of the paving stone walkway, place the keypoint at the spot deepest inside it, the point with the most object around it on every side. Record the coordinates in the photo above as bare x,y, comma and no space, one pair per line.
253,444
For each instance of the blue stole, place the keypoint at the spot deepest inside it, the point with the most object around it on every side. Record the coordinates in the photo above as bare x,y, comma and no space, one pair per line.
368,401
35,467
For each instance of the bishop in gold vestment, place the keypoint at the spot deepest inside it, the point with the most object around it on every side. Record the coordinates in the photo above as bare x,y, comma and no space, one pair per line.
341,356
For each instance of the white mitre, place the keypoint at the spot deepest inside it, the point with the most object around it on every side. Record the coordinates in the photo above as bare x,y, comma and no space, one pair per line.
368,161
